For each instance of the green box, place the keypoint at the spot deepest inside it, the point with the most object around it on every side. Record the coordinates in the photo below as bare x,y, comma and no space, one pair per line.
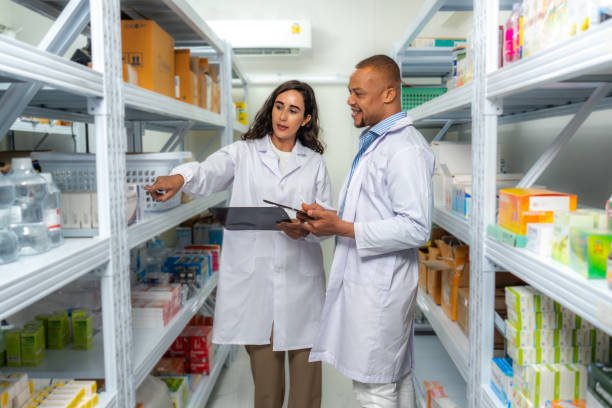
501,234
13,348
564,221
589,251
82,331
415,96
57,327
44,318
32,345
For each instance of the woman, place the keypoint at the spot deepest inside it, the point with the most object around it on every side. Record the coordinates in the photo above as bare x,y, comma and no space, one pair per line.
271,284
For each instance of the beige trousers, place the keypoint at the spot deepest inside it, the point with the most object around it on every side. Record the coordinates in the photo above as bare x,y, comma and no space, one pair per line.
268,368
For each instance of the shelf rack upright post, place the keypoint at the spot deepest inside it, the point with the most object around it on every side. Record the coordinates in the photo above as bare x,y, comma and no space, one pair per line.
484,171
111,146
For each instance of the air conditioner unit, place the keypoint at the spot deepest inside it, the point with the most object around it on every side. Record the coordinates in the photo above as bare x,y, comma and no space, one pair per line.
264,37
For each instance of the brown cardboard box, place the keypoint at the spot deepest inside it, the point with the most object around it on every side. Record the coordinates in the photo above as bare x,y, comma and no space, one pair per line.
434,275
215,96
452,281
215,103
199,66
186,80
453,262
147,47
463,309
423,268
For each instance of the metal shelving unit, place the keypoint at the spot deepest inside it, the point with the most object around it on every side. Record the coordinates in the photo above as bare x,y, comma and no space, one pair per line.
154,223
47,85
591,299
31,278
153,343
572,78
450,334
454,224
149,347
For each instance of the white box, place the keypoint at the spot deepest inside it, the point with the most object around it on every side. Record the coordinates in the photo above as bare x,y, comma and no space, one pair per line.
540,239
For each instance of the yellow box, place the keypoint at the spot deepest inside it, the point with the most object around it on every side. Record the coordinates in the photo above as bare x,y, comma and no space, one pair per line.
521,206
148,48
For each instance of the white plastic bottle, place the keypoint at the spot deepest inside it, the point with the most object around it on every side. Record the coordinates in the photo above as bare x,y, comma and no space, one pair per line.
52,211
8,240
27,215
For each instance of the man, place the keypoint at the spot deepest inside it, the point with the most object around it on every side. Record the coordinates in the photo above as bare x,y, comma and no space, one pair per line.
366,329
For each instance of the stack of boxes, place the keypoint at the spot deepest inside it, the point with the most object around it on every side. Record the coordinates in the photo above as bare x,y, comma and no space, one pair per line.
549,224
446,273
26,347
550,348
15,390
154,306
76,394
151,62
188,359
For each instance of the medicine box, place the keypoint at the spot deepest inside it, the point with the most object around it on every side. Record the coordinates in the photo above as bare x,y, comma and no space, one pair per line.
589,250
565,221
521,206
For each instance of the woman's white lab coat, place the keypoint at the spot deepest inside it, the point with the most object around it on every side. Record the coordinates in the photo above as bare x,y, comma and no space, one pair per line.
265,277
366,326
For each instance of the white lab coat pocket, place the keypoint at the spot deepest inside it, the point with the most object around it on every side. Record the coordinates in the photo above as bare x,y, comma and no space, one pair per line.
372,270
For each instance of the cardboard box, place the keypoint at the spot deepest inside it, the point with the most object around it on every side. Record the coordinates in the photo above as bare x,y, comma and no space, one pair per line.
150,50
452,281
521,206
215,94
455,274
204,82
423,268
463,309
186,81
434,276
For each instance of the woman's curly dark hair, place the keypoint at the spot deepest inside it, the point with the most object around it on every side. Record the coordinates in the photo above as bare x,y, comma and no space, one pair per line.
308,134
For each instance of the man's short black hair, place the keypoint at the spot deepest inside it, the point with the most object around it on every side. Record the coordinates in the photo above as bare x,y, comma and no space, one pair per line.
386,66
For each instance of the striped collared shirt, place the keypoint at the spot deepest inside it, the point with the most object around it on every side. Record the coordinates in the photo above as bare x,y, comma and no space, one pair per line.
368,137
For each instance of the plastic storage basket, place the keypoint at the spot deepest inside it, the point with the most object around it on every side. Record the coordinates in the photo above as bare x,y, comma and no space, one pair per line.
76,172
415,96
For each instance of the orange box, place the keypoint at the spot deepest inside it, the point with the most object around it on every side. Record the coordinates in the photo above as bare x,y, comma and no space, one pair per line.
456,274
521,206
452,281
185,79
150,50
434,275
463,309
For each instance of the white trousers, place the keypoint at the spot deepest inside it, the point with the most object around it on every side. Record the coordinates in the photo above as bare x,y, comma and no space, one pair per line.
399,394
